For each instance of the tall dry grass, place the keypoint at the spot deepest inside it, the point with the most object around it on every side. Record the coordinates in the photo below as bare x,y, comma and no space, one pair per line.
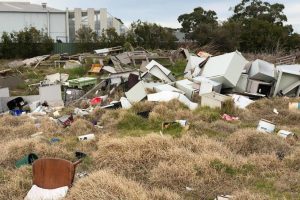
249,141
213,157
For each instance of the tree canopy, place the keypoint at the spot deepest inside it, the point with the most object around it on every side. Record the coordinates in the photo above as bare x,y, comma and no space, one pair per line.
254,26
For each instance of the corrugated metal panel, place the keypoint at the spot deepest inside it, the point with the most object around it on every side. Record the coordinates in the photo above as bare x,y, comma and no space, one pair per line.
25,7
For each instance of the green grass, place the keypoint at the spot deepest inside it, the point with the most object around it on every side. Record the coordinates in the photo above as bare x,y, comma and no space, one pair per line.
222,167
208,114
76,72
178,68
134,125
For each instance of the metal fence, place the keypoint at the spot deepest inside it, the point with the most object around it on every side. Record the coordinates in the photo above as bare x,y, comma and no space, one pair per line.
74,48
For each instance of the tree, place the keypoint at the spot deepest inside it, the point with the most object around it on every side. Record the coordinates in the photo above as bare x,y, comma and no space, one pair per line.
31,42
151,35
262,25
199,25
7,46
110,38
26,43
250,9
86,35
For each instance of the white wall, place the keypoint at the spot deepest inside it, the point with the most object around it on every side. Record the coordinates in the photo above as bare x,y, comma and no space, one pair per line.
58,26
10,22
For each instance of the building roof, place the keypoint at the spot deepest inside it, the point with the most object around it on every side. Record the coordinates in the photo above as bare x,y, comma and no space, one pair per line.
25,7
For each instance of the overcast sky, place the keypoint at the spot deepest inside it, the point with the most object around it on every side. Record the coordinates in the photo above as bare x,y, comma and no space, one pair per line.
166,12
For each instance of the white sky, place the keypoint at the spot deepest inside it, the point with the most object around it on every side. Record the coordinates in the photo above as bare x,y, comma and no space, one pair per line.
166,12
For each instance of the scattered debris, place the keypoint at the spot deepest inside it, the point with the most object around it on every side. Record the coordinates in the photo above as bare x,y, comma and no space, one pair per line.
82,82
213,100
26,160
168,96
86,137
285,134
224,197
294,106
275,111
266,126
229,118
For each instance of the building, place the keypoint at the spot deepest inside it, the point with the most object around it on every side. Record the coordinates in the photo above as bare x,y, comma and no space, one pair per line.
97,20
15,16
60,25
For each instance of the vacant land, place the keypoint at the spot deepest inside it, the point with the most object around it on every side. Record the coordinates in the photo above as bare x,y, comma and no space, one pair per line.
132,159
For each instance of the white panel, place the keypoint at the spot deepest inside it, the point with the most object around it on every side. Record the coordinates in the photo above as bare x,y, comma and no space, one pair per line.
91,18
103,18
58,26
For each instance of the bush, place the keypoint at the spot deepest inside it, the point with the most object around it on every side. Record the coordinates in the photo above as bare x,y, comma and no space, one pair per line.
26,43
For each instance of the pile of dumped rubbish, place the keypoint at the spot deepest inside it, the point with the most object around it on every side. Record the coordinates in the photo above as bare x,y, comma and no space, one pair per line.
137,76
120,79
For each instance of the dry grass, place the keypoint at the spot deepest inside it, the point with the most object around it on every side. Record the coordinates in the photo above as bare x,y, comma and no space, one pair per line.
15,184
213,157
248,141
105,185
16,127
263,109
81,127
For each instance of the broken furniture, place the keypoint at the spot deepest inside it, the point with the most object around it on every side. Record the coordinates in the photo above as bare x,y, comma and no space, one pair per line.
288,81
213,100
225,69
82,82
96,68
106,51
286,60
51,178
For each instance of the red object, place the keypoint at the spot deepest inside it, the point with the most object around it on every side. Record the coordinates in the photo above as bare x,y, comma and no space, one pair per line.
96,101
229,118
